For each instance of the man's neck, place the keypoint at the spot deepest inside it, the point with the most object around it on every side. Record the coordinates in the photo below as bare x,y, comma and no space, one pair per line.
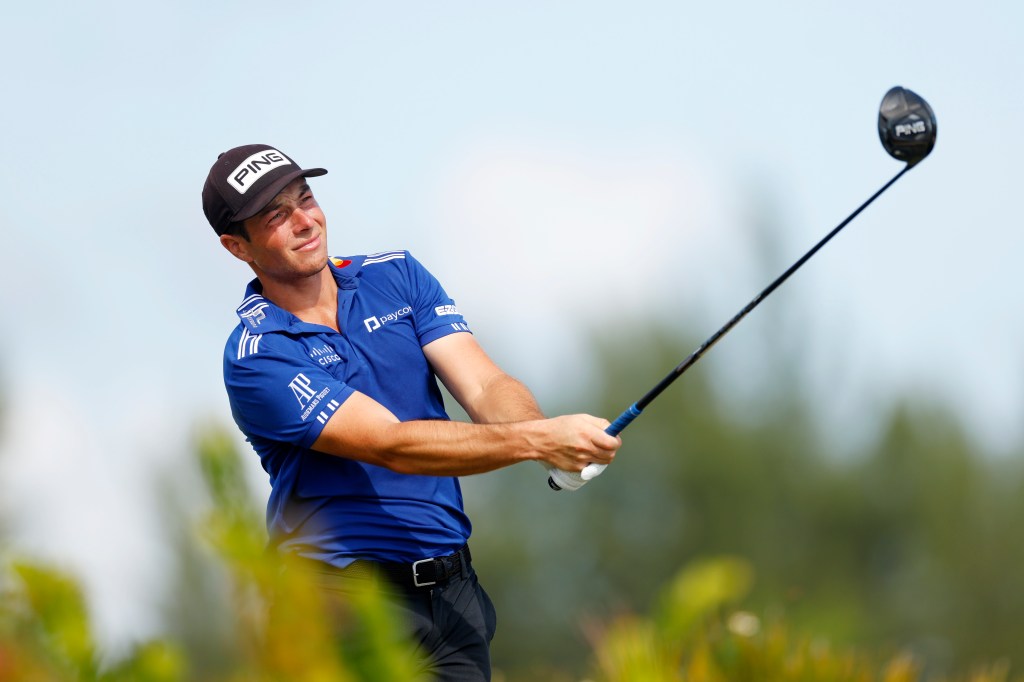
312,299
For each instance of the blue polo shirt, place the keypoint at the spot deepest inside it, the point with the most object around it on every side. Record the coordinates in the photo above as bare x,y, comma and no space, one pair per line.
285,379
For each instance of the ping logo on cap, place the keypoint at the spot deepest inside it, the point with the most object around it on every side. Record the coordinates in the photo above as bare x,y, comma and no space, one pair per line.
253,168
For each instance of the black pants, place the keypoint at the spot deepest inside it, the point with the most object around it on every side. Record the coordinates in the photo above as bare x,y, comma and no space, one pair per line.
451,623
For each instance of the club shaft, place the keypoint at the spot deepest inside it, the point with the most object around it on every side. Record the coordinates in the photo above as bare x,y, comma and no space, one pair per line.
634,410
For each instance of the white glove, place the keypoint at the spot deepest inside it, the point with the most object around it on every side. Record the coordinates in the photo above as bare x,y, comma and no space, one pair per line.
572,481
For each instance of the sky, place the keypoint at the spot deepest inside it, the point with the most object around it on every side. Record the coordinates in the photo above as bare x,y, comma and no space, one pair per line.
562,167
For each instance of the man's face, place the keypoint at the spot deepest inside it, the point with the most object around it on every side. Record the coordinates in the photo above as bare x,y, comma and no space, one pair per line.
287,239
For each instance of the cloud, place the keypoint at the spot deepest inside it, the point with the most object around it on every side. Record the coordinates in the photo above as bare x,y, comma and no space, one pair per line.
541,242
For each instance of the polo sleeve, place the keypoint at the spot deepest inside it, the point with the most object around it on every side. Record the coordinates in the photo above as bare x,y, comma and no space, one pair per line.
433,309
283,398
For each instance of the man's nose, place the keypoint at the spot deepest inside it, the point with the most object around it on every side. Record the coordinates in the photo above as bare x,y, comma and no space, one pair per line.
302,220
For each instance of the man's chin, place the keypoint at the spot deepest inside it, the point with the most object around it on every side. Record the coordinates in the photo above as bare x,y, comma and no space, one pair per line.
315,267
308,267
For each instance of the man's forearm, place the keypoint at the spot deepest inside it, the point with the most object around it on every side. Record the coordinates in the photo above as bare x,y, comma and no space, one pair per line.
504,399
440,448
364,430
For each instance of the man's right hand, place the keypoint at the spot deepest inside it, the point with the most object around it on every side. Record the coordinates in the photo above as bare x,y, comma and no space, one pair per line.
571,442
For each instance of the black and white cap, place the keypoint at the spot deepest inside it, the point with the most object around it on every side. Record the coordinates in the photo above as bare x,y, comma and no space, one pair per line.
244,180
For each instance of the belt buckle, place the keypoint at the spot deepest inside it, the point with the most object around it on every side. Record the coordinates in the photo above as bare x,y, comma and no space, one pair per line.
415,574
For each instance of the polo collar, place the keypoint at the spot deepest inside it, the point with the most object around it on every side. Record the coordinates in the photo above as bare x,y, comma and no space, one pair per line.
259,315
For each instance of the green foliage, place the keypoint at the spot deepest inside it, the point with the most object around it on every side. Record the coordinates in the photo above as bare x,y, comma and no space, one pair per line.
284,626
56,602
636,648
699,636
701,589
45,634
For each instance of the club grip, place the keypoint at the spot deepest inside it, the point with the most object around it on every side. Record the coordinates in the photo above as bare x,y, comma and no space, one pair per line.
623,420
568,480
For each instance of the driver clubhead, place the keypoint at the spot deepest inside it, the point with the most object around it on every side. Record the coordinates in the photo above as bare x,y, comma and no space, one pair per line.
906,125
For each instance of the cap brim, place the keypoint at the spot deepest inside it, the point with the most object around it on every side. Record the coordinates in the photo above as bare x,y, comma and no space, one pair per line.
260,200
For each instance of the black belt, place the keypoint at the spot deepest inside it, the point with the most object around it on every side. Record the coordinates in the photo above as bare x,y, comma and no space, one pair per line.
419,574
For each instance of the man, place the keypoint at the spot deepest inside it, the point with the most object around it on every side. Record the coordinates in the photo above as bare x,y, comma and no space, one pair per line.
331,374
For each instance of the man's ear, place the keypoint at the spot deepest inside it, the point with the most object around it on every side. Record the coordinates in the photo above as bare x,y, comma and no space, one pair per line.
238,247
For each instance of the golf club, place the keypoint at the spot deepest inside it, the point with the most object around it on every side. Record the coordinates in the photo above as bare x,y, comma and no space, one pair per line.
907,128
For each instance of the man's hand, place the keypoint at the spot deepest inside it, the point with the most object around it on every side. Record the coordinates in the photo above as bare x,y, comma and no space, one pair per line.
572,442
